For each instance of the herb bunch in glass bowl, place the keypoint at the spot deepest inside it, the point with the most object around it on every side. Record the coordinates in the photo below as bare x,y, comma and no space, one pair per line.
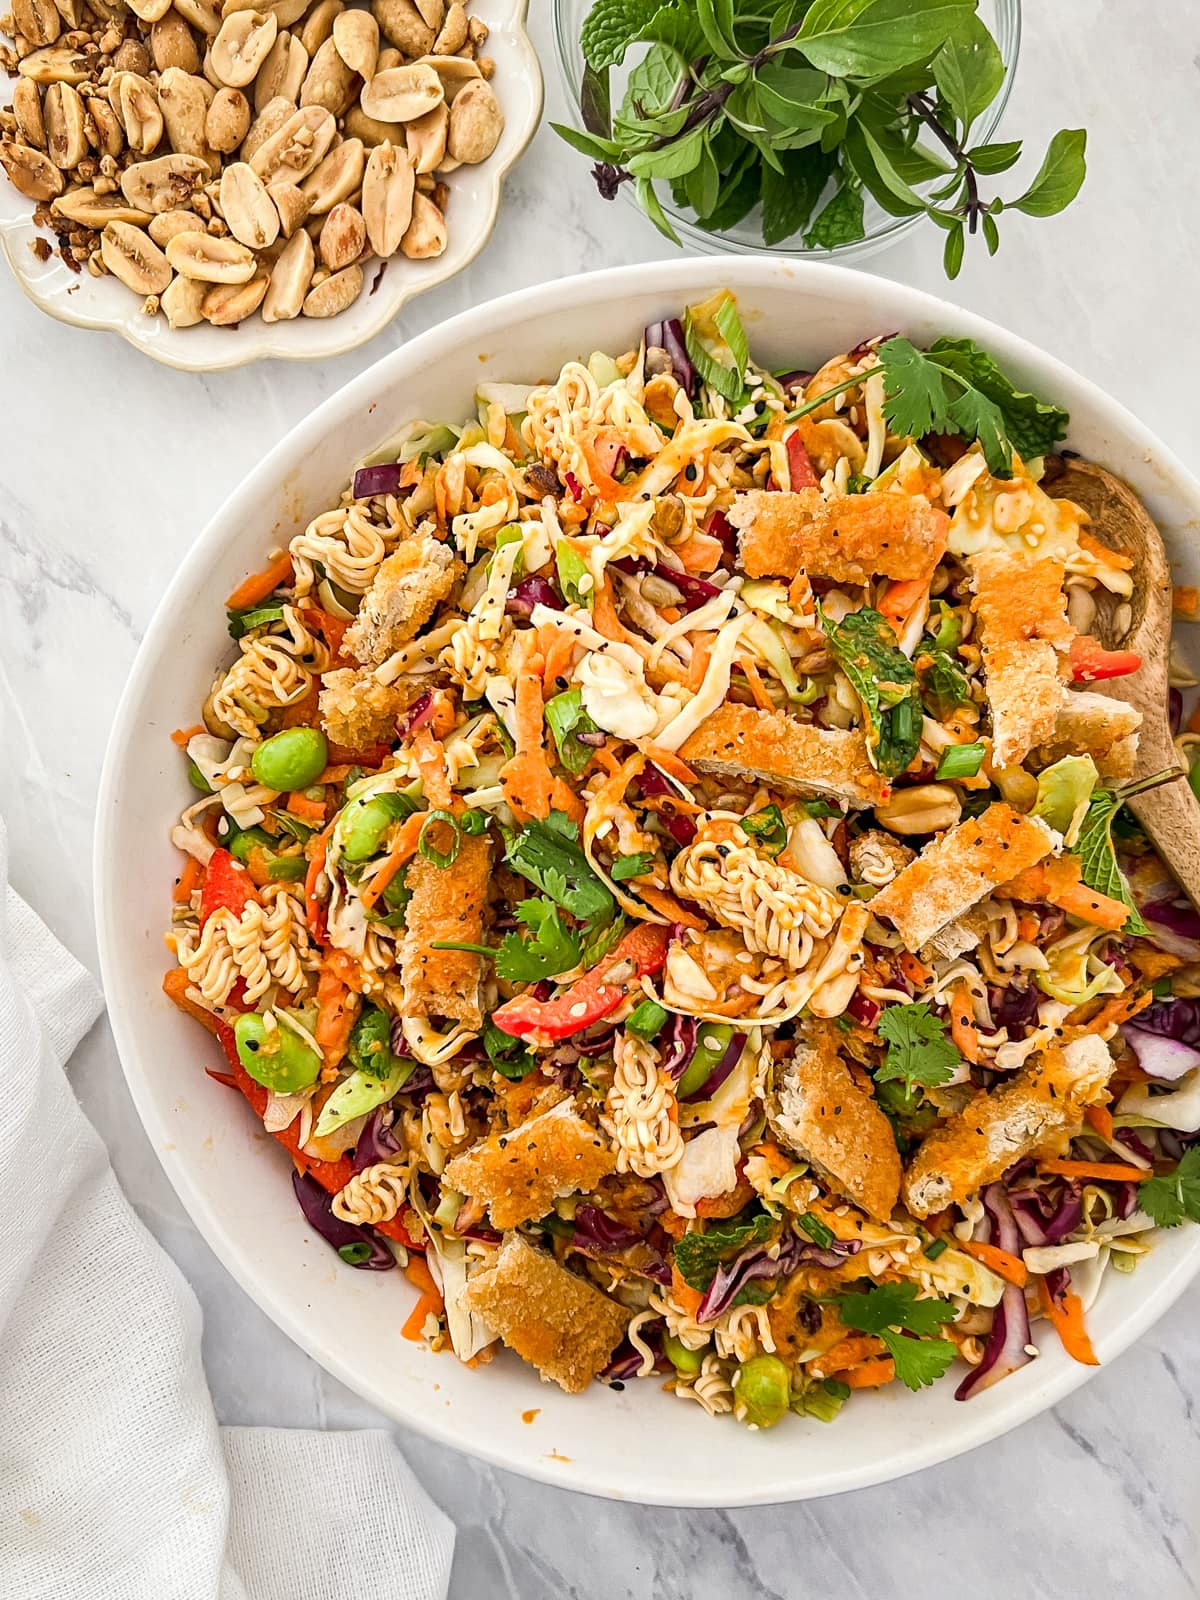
805,125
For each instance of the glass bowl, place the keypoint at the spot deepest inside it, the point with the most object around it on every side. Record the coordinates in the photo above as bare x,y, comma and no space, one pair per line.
1003,19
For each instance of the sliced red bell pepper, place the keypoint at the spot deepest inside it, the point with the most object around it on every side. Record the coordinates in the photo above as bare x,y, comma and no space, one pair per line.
640,954
800,468
1090,661
331,1175
227,887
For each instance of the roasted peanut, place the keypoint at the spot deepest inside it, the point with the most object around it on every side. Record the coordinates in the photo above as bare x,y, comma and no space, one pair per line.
37,20
318,25
282,73
90,210
387,197
164,184
227,304
184,107
476,123
403,25
337,178
426,234
55,64
343,237
134,258
227,120
290,279
925,808
292,204
30,171
27,108
66,126
356,40
454,31
400,94
241,46
248,210
163,228
335,294
199,255
298,147
172,44
425,138
182,301
138,108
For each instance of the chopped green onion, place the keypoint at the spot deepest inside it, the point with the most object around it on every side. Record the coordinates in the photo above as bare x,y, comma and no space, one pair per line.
768,827
429,850
512,533
961,761
1161,989
355,1254
287,869
474,822
816,1230
822,808
838,1389
631,866
934,1249
647,1020
241,622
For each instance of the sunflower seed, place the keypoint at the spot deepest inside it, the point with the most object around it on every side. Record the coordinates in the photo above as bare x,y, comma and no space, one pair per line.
241,46
476,123
182,301
199,255
247,207
134,258
227,304
337,178
387,198
30,172
290,278
165,183
335,294
402,93
356,39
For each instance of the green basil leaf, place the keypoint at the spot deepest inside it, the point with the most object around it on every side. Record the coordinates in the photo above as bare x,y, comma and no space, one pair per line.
969,71
588,144
703,183
1059,178
652,206
673,160
716,21
863,38
993,158
952,255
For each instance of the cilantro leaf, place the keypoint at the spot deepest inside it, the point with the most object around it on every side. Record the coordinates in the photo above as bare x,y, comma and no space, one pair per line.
635,866
864,645
698,1255
553,948
566,719
611,27
1098,859
546,854
1175,1195
955,387
918,1049
507,1055
919,1362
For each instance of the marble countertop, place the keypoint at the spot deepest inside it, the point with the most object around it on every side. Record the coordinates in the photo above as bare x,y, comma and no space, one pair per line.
109,466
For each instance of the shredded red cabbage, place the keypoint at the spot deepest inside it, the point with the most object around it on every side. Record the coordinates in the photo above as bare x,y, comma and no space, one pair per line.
1177,915
1005,1350
599,1235
418,713
1173,1019
863,1009
718,1075
1015,1006
1174,710
1160,1055
681,829
530,592
318,1211
668,336
680,1045
377,1141
370,481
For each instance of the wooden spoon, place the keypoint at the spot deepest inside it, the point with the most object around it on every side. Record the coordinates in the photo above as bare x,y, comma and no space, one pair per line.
1170,814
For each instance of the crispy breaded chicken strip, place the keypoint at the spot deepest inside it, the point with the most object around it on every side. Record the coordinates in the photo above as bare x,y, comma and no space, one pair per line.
851,538
821,1112
557,1322
519,1174
407,590
1025,634
448,903
1041,1108
357,710
958,869
1095,725
771,747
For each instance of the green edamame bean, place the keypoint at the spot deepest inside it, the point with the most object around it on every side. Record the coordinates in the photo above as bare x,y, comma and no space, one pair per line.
290,760
764,1389
286,1067
197,779
363,824
685,1361
249,839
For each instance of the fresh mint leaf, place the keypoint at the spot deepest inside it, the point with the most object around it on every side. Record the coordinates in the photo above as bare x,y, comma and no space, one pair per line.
864,645
1059,178
678,28
918,1050
969,71
1098,859
698,1255
1175,1196
610,27
867,38
840,220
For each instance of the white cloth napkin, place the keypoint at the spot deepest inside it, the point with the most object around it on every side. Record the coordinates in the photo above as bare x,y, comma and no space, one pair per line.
115,1481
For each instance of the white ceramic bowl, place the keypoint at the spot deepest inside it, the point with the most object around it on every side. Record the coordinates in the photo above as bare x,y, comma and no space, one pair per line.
475,194
640,1444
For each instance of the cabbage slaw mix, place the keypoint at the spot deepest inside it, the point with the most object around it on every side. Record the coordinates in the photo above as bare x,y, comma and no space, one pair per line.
534,814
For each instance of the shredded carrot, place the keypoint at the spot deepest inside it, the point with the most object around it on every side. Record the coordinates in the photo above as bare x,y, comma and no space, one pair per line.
901,598
411,473
1100,1119
419,1275
913,968
184,736
310,811
604,614
176,984
444,717
871,1375
700,554
1111,558
413,1326
962,1023
667,906
605,758
1067,1318
529,784
1115,1011
1153,963
404,847
1002,1262
758,688
336,1014
261,584
1117,1171
335,772
557,651
1058,881
669,613
605,485
431,763
316,850
683,1294
698,671
1028,926
188,882
667,761
775,1159
848,1352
